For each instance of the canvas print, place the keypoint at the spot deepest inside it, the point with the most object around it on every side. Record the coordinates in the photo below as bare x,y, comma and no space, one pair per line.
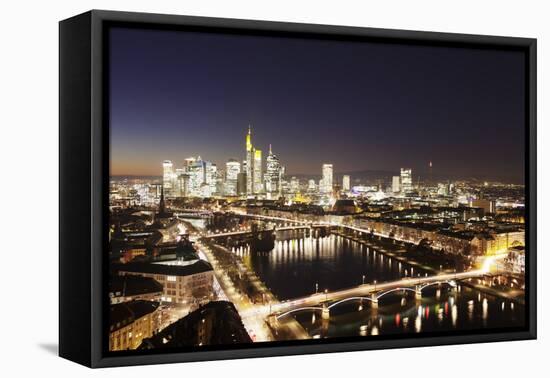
269,190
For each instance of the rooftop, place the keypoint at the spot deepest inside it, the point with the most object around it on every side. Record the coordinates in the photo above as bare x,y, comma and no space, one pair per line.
123,314
130,285
169,268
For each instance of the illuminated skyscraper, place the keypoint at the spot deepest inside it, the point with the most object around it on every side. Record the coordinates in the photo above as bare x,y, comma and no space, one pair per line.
311,186
178,190
241,184
406,180
294,185
249,169
196,177
202,176
168,177
396,184
346,183
272,175
326,183
211,176
232,170
257,172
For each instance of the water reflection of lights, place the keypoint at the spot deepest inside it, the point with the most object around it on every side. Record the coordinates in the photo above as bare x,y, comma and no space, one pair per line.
374,331
440,315
485,309
418,324
454,314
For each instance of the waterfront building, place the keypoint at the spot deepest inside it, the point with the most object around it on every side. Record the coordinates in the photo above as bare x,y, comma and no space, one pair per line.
406,180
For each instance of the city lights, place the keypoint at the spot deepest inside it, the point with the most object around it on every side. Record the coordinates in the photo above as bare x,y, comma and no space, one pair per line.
236,239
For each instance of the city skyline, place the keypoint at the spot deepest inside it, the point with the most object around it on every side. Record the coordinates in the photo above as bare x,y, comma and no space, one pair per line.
200,98
294,189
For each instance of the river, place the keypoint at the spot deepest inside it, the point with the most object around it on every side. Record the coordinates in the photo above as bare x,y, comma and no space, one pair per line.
299,266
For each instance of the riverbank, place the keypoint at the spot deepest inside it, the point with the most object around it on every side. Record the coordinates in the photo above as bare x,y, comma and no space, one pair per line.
250,295
400,250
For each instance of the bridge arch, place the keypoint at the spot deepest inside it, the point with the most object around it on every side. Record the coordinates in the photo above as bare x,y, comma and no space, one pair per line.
348,300
451,283
394,290
297,310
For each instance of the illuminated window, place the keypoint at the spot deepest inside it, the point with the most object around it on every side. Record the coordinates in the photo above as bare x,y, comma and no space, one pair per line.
171,278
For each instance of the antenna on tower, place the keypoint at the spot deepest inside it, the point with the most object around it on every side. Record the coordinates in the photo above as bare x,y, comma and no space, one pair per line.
270,148
431,175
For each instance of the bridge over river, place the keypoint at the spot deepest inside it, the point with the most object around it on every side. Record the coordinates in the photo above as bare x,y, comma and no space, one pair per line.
324,301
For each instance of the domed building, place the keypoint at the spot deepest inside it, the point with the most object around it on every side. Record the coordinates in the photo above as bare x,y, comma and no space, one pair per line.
345,206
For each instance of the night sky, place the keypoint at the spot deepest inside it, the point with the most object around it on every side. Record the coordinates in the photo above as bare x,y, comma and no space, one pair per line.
361,106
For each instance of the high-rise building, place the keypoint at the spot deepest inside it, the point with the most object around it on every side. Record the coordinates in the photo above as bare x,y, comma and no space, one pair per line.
406,180
326,184
196,174
294,185
168,177
202,178
272,175
346,183
211,177
257,172
396,184
183,184
232,170
249,168
311,187
241,184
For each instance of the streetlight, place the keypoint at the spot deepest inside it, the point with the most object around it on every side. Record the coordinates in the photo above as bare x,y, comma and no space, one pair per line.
374,285
326,295
363,279
316,287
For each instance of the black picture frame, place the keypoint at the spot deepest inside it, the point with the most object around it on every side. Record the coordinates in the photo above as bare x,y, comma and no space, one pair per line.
83,181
